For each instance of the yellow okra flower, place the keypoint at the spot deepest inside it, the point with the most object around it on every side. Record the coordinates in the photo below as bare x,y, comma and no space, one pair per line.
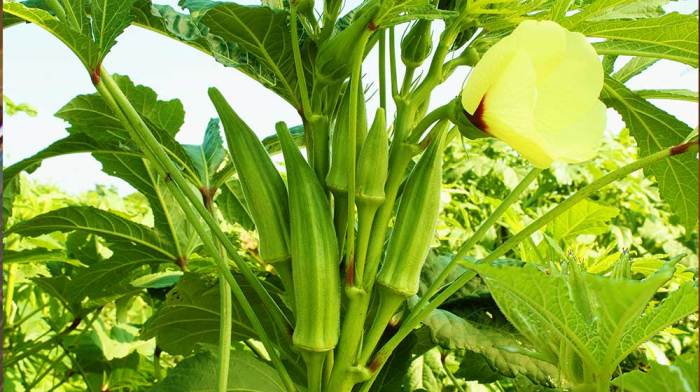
537,90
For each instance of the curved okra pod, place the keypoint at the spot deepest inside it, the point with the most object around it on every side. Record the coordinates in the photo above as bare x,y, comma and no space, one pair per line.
263,187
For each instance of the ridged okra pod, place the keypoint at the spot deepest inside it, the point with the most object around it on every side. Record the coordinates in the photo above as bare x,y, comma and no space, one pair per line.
337,178
415,223
373,163
372,171
314,249
263,187
409,242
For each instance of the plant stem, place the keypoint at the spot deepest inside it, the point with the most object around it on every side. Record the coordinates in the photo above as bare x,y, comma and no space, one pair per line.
512,197
314,369
436,115
365,217
418,315
210,246
407,80
224,333
10,295
392,63
382,69
305,104
352,153
389,303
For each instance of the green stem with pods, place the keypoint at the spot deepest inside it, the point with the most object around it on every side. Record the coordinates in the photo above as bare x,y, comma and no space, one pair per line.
419,314
351,333
182,192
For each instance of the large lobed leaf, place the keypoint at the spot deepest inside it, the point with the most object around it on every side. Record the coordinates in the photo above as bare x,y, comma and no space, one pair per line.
90,38
600,319
673,36
654,130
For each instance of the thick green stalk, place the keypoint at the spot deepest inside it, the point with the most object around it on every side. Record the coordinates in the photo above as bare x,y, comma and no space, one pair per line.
418,315
154,150
113,95
512,197
365,218
350,335
314,369
355,79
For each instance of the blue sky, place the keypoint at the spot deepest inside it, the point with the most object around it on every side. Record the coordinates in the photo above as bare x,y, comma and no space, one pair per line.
40,71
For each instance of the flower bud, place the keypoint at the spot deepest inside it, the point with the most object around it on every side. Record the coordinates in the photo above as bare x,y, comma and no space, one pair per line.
417,44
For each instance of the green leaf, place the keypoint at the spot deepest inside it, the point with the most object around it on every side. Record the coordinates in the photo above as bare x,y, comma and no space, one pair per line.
586,217
616,9
208,156
109,19
673,36
231,202
397,12
89,38
90,113
425,372
256,40
654,130
113,228
37,255
87,51
112,146
73,144
682,375
599,319
496,346
158,280
633,68
190,316
198,373
676,94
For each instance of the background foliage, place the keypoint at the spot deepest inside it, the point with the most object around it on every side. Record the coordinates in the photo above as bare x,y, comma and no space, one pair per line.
465,342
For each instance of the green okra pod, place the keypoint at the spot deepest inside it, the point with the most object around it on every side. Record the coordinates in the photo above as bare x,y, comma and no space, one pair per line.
263,187
332,65
415,223
314,249
409,243
373,163
337,178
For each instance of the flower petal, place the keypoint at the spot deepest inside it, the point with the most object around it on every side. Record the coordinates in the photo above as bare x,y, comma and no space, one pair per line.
571,88
580,140
487,70
508,109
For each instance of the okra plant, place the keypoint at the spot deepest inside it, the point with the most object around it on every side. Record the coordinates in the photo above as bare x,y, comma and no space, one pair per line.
342,280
